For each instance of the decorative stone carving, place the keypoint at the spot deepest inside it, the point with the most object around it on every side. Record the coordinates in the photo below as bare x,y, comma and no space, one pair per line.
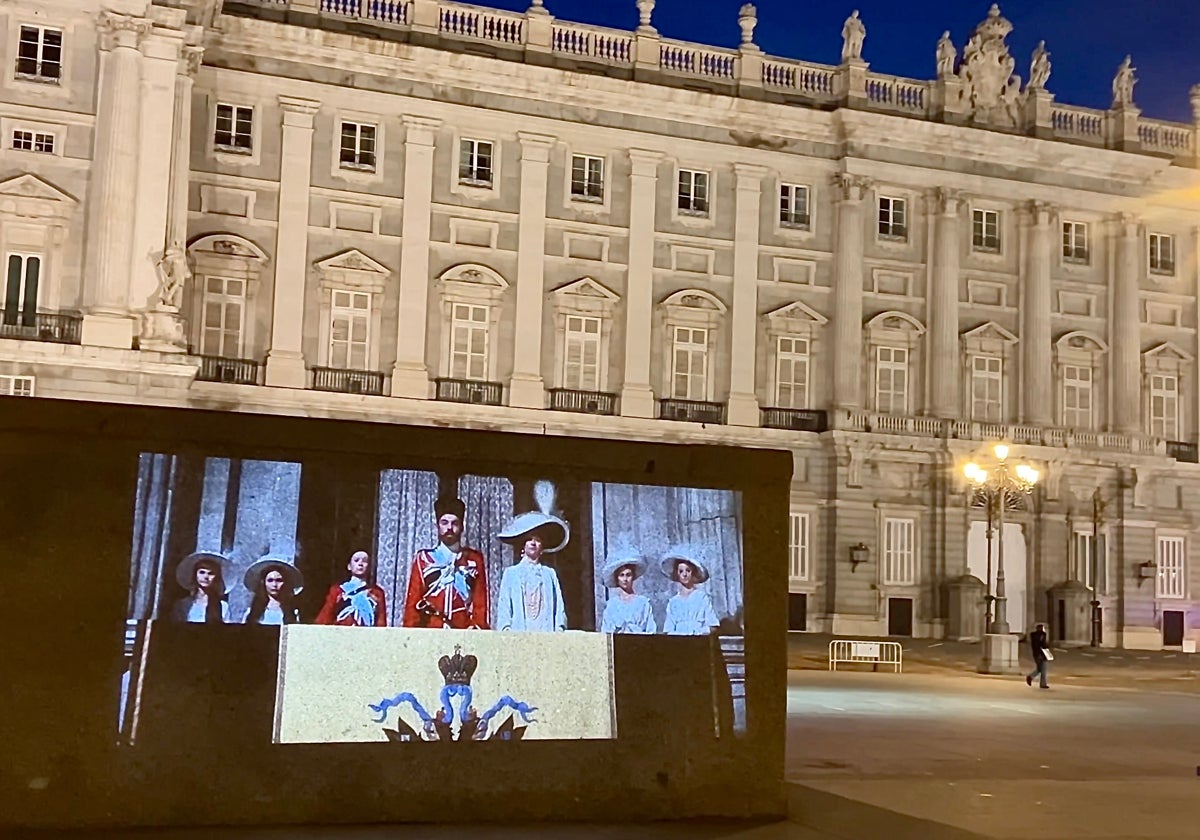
122,31
945,201
859,455
947,54
1123,82
747,20
1039,68
193,57
1143,483
853,35
645,10
1054,474
850,187
990,90
173,273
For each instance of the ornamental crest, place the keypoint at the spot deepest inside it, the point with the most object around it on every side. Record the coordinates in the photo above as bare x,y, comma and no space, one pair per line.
989,89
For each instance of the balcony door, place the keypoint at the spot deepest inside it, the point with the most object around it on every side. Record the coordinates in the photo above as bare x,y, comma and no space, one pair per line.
22,276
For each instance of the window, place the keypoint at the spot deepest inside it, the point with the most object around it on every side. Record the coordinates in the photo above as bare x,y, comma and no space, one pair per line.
581,357
987,379
1075,242
1170,567
39,54
693,192
587,178
469,342
475,163
689,363
1077,397
224,310
985,231
1162,253
349,330
21,290
1083,562
1164,406
16,386
891,380
358,146
234,128
899,552
793,206
893,218
33,141
791,372
798,546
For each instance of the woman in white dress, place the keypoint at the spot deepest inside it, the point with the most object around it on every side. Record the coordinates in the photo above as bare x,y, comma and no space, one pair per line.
201,574
530,597
275,583
690,611
626,611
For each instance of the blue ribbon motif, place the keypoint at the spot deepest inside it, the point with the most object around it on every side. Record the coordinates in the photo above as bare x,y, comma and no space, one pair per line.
506,702
406,697
448,693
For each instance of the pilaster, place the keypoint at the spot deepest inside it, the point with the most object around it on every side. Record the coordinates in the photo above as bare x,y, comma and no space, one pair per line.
410,376
1037,373
743,408
847,360
943,305
1126,338
526,388
285,360
637,397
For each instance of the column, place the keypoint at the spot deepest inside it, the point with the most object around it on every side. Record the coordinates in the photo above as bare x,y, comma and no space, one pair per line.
945,384
1126,339
181,149
525,388
847,357
410,376
285,359
1037,373
637,397
108,321
743,401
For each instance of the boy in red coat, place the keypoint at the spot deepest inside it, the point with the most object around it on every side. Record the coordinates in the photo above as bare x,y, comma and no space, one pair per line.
355,603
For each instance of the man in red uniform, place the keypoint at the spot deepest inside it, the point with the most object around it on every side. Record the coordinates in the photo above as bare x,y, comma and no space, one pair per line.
447,585
355,603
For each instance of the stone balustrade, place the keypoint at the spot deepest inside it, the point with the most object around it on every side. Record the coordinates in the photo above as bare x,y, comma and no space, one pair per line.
679,62
1025,435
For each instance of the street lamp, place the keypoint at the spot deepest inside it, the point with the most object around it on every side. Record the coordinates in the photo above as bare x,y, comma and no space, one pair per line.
1002,484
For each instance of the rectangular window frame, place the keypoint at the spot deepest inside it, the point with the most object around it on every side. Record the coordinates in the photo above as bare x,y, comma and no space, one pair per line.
899,560
224,298
24,310
1163,405
1161,247
690,343
476,163
892,214
1079,386
358,151
577,340
892,366
795,206
798,352
38,58
989,409
799,546
237,137
1076,244
14,385
986,232
352,314
587,176
1170,554
692,193
475,364
33,140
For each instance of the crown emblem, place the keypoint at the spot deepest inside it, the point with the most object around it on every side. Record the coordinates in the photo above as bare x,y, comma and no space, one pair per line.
458,669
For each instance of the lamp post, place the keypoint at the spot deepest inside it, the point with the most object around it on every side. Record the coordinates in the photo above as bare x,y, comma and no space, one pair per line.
1094,561
1001,484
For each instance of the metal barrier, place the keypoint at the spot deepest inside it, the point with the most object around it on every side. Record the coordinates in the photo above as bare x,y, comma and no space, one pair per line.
870,653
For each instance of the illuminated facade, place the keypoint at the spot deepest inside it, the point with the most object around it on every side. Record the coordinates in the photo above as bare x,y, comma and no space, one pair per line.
425,212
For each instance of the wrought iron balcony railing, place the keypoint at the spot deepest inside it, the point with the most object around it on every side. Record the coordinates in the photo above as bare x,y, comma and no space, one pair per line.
1189,453
228,370
796,419
692,411
474,391
584,402
44,326
348,381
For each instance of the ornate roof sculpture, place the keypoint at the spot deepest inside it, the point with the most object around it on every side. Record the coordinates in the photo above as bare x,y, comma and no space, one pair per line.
990,89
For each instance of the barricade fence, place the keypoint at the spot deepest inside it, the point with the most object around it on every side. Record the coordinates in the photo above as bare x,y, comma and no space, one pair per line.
845,651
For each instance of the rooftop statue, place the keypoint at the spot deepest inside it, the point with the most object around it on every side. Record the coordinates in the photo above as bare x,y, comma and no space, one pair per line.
1123,83
990,89
946,55
1039,68
853,35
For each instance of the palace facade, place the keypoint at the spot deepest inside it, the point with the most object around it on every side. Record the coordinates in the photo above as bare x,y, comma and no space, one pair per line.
426,212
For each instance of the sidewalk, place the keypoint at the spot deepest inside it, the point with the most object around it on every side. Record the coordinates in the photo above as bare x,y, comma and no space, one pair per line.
1108,667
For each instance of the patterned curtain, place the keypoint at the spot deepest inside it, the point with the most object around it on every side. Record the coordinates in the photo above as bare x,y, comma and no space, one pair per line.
406,524
489,502
151,530
649,521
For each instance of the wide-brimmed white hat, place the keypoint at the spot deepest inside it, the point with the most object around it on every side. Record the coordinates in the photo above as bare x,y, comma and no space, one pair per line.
185,572
618,562
556,533
672,559
253,579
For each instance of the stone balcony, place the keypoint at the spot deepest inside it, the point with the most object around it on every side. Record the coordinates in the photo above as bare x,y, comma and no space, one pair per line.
536,37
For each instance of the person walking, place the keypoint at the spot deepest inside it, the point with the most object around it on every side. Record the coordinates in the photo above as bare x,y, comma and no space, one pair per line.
1040,645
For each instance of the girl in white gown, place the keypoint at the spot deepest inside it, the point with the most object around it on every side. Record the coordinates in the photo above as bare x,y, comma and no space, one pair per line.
690,611
625,611
201,575
274,584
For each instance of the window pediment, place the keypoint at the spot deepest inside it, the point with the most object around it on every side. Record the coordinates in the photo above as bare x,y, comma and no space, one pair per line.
30,197
585,295
694,307
1167,356
989,332
352,269
471,282
894,327
228,255
1080,344
797,315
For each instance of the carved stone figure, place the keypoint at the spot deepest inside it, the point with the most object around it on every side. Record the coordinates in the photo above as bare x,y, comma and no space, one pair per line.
853,35
1123,83
172,274
1039,68
946,54
990,90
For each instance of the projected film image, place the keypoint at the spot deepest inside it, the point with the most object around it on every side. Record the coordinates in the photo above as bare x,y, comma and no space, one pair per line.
343,603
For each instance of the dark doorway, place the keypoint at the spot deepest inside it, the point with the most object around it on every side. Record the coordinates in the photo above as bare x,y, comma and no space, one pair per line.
1060,620
797,611
900,616
1172,628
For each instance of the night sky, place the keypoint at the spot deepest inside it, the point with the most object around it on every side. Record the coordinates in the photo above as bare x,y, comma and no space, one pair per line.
1087,39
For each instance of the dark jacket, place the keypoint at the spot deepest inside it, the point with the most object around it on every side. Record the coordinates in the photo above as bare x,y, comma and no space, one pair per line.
1039,643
